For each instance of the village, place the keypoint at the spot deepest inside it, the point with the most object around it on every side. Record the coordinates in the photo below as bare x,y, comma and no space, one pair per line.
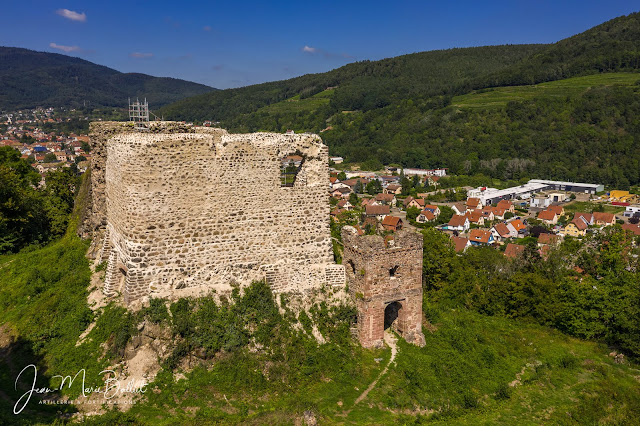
539,211
45,149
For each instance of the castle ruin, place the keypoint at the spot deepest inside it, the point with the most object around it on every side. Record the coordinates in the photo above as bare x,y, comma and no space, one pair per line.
179,207
385,280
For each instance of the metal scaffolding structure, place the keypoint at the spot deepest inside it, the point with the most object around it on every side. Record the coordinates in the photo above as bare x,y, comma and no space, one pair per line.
139,114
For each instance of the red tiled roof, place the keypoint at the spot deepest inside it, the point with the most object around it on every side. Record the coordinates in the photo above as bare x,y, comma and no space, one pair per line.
518,224
580,223
498,212
504,204
588,217
474,216
459,243
631,227
514,250
472,202
556,209
486,212
341,190
427,214
377,210
546,215
547,238
457,220
604,217
461,207
385,197
391,221
502,229
479,236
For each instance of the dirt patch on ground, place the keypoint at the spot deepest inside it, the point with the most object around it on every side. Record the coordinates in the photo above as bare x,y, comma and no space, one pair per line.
7,336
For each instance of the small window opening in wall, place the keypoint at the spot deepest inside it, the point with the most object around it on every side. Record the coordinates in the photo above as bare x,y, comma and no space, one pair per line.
289,168
392,271
353,267
122,279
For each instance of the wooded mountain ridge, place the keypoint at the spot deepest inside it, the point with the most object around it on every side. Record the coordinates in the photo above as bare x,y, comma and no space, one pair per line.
31,79
399,110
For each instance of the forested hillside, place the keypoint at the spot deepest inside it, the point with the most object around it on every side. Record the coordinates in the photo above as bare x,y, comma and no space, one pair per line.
400,110
30,79
361,86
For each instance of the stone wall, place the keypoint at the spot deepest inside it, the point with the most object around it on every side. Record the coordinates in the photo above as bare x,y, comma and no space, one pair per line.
182,207
385,279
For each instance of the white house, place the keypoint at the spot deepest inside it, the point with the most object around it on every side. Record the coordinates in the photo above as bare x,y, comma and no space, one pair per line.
631,210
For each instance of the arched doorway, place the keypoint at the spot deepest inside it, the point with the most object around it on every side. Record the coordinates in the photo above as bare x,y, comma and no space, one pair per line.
391,314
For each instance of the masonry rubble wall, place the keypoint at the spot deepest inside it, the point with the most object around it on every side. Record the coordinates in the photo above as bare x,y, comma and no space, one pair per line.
182,207
383,272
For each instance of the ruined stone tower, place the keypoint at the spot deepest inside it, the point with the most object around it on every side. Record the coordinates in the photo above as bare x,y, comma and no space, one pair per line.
181,207
385,280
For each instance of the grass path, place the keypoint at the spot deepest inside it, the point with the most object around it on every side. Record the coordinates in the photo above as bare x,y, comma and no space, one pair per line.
391,341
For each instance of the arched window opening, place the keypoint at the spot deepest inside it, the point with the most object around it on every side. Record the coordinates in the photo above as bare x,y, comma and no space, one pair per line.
290,166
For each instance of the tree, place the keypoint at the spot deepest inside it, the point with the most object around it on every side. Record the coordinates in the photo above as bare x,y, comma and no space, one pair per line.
446,213
439,259
50,158
412,213
21,218
60,193
406,185
374,187
87,148
353,199
358,187
342,176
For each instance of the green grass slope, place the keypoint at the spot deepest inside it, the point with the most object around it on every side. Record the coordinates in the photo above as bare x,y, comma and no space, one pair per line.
474,369
571,87
296,104
31,79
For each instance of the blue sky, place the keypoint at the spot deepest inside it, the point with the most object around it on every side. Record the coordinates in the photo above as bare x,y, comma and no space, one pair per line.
236,43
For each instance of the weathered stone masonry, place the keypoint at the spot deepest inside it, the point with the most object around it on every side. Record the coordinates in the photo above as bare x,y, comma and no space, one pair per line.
385,280
182,206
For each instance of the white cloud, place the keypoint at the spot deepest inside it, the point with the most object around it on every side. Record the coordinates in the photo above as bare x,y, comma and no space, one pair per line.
70,14
66,49
207,28
330,55
140,55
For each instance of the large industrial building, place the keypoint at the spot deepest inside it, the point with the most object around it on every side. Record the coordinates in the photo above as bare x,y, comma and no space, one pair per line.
523,192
